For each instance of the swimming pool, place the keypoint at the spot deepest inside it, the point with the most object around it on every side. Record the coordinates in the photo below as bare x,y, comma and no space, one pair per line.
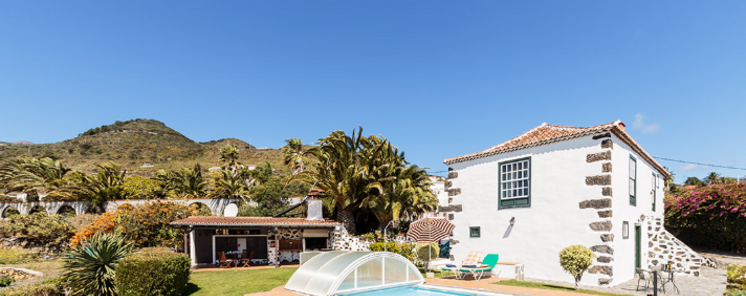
424,290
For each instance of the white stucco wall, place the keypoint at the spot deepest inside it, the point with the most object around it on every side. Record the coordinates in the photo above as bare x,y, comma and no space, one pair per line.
624,249
554,219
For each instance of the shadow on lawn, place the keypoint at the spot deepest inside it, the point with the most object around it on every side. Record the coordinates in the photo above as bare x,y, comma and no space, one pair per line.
190,289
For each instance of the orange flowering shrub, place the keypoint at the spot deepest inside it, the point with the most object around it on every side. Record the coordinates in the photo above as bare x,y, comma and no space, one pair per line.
146,225
104,224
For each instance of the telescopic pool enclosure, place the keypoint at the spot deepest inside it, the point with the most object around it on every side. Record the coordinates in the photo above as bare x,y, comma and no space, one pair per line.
335,273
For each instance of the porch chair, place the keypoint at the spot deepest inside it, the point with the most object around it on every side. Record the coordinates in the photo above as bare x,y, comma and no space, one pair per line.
643,275
223,262
478,271
246,262
471,259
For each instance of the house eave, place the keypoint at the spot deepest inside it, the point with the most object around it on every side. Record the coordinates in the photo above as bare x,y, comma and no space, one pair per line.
615,129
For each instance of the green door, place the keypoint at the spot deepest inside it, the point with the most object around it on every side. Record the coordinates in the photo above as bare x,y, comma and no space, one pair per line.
638,239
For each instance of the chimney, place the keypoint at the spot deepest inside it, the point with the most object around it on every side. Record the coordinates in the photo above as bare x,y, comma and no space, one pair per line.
314,206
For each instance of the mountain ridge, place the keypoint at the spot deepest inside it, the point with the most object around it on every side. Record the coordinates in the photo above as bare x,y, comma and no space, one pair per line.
134,142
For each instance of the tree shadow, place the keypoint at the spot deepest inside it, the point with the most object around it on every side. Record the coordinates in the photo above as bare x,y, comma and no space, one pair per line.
190,289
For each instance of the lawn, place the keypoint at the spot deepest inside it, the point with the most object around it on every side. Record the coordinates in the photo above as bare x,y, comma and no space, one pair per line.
554,287
237,282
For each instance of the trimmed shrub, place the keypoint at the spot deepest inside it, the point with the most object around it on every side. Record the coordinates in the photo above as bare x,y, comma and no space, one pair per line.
575,260
737,293
152,271
422,249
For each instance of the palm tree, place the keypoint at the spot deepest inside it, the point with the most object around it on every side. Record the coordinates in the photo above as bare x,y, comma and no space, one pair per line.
105,185
344,171
694,181
184,183
295,156
229,154
41,176
712,178
406,188
90,266
230,186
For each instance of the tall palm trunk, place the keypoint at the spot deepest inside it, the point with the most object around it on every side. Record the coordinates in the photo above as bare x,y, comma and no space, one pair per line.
345,216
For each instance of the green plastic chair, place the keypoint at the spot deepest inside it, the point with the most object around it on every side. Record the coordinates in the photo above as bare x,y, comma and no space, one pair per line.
478,271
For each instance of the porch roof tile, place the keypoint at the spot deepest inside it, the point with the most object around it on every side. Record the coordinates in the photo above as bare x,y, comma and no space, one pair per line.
253,221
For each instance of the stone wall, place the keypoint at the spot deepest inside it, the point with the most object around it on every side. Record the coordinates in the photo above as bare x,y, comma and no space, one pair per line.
604,250
663,248
343,241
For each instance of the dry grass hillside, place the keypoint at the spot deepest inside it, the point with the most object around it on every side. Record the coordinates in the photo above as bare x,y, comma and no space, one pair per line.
135,142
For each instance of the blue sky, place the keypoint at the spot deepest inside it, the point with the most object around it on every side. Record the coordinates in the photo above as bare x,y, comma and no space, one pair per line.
439,79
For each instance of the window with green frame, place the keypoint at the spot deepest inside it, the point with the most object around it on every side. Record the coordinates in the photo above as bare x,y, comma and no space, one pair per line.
653,192
475,231
632,180
514,181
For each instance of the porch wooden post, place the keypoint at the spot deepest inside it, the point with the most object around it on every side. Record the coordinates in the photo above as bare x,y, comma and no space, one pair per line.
186,242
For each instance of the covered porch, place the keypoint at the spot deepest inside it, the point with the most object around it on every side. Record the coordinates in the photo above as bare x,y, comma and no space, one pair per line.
271,240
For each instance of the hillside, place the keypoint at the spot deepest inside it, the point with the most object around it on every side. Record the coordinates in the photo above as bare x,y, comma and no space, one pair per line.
135,142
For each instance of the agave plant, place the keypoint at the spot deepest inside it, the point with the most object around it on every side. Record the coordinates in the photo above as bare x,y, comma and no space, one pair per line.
90,266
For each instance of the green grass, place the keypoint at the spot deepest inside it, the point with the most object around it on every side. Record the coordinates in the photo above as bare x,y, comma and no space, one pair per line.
554,287
237,282
437,273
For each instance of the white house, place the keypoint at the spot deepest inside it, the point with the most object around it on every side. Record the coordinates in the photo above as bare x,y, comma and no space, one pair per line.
561,186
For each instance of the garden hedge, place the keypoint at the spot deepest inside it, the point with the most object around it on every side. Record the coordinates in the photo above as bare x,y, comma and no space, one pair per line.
152,271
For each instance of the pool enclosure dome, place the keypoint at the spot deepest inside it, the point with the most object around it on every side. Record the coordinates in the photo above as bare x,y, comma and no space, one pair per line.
339,272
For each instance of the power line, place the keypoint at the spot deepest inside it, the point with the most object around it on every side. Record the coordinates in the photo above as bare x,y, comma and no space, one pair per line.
702,164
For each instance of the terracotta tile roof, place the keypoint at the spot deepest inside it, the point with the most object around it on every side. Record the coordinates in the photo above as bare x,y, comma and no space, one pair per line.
252,221
549,133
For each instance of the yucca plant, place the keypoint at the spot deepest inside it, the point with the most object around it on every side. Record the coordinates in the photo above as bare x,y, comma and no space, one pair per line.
90,266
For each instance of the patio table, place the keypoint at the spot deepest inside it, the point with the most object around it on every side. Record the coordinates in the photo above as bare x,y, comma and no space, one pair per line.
671,279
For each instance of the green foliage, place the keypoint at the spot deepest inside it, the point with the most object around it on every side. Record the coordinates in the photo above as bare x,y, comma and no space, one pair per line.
91,266
147,225
404,249
38,229
15,255
575,260
711,217
141,187
736,275
737,293
422,249
6,281
183,183
152,271
368,174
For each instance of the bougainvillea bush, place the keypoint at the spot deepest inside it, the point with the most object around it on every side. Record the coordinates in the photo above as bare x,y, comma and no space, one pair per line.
712,217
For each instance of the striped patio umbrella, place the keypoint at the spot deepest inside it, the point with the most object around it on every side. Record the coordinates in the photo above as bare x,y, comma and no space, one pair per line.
430,229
